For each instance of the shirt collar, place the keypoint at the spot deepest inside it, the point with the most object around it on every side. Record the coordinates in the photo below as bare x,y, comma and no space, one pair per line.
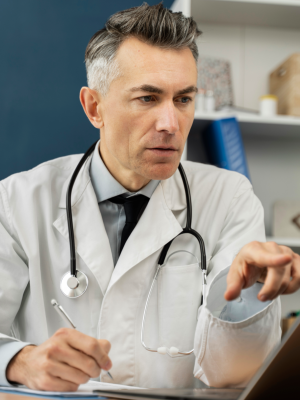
106,186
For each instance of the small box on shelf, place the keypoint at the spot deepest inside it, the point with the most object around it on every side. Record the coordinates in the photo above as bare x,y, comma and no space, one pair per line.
285,84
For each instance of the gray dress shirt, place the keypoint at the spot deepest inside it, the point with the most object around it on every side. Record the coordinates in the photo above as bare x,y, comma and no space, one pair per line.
113,215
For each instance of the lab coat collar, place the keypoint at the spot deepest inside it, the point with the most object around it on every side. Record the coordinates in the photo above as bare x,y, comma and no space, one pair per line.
174,193
82,180
156,227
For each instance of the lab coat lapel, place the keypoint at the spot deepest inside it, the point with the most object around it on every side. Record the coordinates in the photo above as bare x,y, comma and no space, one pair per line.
156,227
91,240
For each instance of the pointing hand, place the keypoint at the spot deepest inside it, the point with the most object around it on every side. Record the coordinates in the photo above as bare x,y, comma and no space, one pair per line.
278,267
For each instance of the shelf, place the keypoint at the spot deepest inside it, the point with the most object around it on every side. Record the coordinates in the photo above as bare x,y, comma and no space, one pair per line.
268,13
291,242
255,124
252,118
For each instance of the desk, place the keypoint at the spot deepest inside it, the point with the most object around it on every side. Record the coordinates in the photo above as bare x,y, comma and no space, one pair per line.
9,396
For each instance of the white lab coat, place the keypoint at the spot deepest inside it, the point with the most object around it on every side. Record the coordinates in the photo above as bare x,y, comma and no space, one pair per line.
34,255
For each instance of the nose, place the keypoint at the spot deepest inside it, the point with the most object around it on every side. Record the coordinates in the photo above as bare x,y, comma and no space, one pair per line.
167,120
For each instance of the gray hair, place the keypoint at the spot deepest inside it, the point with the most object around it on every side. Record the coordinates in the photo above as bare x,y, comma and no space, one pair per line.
153,25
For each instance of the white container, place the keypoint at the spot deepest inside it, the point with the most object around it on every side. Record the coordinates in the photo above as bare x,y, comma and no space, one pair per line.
209,101
268,105
200,100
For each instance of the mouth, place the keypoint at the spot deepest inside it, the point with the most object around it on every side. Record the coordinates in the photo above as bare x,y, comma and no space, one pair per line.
163,151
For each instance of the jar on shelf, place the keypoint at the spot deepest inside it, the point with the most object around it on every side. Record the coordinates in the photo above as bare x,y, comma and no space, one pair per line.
268,105
200,97
209,101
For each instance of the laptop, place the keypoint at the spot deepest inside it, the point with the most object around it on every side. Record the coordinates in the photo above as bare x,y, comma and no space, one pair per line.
278,378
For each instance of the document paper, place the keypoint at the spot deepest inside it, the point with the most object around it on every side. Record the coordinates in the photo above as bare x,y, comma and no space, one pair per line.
84,390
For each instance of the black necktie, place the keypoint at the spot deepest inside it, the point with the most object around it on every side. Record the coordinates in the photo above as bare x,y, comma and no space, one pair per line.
134,207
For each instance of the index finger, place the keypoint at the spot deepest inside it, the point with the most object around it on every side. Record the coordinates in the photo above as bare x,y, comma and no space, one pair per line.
235,283
97,349
263,258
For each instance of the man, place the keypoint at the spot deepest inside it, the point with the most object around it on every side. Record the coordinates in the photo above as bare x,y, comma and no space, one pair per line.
142,81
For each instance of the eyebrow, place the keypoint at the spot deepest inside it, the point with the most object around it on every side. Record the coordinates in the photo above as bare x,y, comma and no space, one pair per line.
154,89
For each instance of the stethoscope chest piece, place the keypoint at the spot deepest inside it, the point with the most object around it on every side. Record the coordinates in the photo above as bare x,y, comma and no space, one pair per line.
73,286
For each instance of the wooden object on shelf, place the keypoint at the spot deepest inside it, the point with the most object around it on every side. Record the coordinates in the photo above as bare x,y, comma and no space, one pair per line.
285,84
286,324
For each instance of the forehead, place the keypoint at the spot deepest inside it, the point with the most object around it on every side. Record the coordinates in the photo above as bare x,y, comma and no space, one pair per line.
142,63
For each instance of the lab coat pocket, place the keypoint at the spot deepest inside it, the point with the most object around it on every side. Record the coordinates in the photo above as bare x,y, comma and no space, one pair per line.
179,296
228,352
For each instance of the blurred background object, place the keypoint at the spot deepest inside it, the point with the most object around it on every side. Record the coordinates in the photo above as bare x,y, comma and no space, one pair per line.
214,76
42,46
285,84
224,145
288,322
200,97
209,101
268,105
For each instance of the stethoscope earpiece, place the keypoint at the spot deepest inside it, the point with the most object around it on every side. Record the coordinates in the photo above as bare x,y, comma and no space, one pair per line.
172,351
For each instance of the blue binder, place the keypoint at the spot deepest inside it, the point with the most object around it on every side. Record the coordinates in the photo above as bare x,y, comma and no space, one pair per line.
225,145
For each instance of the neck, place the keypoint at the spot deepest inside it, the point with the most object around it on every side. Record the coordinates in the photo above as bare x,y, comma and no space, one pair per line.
126,177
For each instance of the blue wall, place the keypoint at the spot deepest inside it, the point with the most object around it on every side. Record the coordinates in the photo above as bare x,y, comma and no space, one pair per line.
42,45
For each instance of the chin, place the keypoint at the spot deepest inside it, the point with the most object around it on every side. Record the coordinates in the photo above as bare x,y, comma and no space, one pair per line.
160,171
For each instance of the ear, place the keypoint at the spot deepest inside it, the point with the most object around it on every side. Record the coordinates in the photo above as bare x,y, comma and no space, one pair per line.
90,101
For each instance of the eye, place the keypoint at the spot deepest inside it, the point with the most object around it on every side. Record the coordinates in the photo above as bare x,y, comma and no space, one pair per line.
146,99
184,100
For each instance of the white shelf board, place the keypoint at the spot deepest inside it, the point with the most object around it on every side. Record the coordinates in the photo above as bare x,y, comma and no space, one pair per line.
247,117
279,125
292,242
268,13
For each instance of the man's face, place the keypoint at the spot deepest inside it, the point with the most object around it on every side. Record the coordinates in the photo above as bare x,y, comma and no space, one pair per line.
149,110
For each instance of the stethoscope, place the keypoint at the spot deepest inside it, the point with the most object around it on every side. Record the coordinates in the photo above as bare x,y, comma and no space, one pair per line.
74,283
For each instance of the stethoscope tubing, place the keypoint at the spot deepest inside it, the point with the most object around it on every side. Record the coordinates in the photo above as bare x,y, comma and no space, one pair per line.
158,269
73,269
83,285
187,229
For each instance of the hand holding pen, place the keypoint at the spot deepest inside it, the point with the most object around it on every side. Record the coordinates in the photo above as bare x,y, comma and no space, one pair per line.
67,319
63,362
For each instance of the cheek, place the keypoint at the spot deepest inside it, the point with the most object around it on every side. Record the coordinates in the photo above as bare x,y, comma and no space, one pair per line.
123,135
136,126
117,125
139,126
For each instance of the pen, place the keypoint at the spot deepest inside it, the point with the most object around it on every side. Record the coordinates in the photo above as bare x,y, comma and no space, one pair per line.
67,319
